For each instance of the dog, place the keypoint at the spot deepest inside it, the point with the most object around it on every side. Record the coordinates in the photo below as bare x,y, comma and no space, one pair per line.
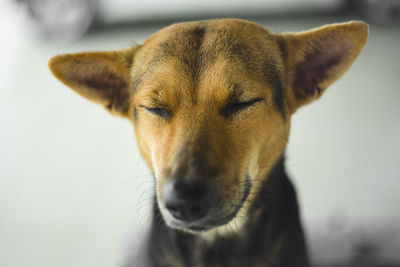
211,103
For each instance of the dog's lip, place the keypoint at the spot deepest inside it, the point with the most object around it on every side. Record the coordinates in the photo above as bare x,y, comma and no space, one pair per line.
198,228
204,225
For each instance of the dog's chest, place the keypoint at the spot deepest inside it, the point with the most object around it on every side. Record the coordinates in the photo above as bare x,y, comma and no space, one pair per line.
232,252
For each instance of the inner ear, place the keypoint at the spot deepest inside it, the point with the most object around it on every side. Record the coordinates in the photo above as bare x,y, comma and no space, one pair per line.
319,62
100,82
102,77
319,57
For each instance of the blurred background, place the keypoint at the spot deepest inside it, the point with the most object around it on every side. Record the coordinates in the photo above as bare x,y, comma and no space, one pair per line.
74,190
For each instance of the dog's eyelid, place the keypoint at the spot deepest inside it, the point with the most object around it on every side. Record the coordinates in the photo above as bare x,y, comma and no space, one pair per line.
159,111
246,103
252,100
238,106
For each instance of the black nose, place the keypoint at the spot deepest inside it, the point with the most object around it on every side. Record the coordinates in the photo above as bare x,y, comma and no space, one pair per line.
187,201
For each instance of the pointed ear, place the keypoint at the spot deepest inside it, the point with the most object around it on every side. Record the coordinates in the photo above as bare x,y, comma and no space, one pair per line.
317,58
102,77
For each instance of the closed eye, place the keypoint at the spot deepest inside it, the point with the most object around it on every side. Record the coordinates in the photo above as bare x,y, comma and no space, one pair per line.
234,108
161,112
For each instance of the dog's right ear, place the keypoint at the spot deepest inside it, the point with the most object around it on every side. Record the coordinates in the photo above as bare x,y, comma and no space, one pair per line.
317,58
102,77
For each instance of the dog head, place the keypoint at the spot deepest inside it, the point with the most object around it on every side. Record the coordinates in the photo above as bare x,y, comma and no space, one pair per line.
211,103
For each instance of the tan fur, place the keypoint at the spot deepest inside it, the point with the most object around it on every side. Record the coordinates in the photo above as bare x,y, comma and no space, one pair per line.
249,142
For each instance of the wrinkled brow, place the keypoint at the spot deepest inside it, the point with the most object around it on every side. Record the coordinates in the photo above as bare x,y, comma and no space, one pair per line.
235,91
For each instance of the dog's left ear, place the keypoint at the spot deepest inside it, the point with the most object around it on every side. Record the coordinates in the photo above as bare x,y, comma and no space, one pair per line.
317,58
102,77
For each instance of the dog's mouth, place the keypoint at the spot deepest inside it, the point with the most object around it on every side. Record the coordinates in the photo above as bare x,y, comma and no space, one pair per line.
203,225
218,215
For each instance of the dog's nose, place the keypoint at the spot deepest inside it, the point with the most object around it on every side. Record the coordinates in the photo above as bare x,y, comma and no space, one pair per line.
187,201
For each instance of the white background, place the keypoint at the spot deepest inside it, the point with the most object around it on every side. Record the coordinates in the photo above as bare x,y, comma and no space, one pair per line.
74,190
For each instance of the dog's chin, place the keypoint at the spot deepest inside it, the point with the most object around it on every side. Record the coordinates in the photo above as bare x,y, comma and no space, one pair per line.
193,229
200,226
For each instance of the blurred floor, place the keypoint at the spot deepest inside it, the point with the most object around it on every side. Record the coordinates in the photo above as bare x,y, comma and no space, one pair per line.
73,186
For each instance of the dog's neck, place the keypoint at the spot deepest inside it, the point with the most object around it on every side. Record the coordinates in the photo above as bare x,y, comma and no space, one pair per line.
271,236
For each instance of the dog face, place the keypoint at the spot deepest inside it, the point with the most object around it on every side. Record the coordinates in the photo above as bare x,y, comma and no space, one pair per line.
211,103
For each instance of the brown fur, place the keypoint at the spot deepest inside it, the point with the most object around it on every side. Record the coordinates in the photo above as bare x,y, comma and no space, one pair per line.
193,71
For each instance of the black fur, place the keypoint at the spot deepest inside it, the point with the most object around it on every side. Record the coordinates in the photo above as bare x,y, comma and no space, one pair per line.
282,48
186,46
135,115
273,78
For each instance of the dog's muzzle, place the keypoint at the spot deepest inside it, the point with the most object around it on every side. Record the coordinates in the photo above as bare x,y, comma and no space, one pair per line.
186,201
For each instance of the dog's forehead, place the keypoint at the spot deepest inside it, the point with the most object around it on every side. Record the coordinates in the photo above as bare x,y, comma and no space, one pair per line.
223,52
205,41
